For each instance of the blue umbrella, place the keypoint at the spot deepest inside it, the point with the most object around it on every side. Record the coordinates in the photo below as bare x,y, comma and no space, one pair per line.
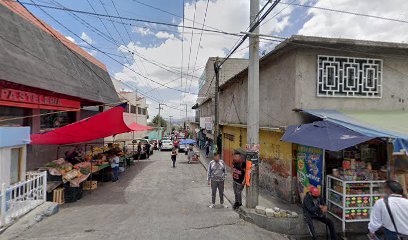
187,141
324,135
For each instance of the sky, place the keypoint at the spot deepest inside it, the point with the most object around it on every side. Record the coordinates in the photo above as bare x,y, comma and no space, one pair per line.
146,56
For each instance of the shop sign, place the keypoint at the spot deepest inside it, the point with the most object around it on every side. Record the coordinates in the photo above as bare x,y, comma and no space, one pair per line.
309,166
206,123
13,95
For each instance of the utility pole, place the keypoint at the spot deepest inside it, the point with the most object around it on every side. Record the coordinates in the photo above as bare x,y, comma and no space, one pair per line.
216,113
160,108
170,117
252,191
185,121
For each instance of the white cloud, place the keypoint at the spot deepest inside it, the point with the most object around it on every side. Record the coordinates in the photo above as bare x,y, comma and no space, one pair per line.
235,20
331,24
144,31
86,38
70,39
164,35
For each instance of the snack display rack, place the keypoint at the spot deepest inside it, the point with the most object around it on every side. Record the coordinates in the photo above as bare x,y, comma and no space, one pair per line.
351,201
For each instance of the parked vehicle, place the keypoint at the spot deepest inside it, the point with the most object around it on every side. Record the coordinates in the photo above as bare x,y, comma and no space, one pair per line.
167,145
183,147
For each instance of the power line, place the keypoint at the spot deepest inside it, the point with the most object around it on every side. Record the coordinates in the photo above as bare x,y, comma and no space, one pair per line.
191,42
103,52
128,18
199,42
182,52
347,12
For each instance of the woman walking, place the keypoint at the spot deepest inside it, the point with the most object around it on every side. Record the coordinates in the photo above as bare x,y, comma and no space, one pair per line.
174,157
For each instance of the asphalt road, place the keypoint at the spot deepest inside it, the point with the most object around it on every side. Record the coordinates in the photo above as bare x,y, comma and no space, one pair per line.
151,200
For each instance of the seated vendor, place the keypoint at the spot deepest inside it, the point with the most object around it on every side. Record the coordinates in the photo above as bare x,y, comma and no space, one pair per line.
314,208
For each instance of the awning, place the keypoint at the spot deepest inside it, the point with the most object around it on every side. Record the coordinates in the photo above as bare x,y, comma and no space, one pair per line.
390,124
324,135
101,125
138,127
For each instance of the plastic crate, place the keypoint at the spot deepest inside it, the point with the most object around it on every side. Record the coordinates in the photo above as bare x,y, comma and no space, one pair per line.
58,196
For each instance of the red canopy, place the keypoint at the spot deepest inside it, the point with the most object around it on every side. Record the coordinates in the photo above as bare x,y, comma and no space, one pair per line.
101,125
137,127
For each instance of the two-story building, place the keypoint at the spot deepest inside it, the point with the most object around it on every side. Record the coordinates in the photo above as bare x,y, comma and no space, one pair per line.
304,74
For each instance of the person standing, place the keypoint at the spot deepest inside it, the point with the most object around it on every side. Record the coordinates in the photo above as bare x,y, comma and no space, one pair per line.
390,213
238,176
139,149
314,208
216,178
160,145
207,148
147,146
115,166
174,157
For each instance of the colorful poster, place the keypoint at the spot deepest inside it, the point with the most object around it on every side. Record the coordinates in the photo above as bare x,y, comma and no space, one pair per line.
309,166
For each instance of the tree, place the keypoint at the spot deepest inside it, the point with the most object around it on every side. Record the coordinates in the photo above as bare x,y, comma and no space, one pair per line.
159,121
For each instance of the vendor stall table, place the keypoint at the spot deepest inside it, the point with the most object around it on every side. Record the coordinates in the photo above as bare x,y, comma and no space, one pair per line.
351,201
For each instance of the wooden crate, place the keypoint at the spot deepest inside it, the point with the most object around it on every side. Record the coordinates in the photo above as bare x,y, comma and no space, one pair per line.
90,185
58,196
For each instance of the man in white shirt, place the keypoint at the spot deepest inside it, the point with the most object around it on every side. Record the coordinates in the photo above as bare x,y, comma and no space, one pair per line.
398,206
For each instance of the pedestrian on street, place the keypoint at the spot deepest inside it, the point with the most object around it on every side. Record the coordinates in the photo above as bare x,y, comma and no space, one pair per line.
160,145
174,157
147,146
238,176
314,208
390,213
115,166
139,150
216,178
207,148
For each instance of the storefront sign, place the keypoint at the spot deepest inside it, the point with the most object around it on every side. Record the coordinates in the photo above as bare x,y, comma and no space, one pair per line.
29,98
309,165
206,123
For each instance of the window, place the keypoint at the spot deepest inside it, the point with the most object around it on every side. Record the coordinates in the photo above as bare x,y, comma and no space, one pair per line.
349,77
144,111
133,109
139,110
15,165
49,119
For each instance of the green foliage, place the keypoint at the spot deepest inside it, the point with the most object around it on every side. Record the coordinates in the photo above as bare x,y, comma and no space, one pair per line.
158,121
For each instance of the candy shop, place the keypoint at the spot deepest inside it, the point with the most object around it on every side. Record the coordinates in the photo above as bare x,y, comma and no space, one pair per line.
348,167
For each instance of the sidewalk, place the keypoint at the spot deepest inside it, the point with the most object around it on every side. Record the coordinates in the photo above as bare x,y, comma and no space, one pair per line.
292,226
285,225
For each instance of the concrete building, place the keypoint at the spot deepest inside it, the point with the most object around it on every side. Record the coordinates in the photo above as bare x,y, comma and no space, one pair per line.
310,73
137,111
43,73
205,99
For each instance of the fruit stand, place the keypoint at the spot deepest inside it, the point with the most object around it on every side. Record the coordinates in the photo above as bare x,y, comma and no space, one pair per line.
351,201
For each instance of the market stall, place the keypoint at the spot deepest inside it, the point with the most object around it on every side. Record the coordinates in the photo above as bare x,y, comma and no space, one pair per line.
347,166
79,166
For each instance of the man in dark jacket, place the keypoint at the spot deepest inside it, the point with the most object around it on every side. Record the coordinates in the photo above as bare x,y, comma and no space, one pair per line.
238,176
314,208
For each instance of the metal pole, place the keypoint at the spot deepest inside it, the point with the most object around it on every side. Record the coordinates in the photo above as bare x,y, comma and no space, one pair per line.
253,105
216,112
185,120
137,108
3,204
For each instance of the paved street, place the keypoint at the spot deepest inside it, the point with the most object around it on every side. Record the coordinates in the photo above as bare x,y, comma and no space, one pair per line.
151,201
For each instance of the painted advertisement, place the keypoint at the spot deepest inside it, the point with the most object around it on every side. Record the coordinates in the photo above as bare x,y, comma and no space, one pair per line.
309,166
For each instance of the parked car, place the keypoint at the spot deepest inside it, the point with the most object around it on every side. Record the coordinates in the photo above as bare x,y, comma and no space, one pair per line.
183,147
167,145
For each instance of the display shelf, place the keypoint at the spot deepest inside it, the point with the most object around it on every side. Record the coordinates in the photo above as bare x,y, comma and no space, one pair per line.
344,208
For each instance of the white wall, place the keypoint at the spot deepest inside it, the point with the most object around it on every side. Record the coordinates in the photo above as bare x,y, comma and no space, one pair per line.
5,164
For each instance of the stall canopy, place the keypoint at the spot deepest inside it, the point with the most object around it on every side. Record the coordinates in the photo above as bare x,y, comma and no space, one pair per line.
390,124
138,127
101,125
324,135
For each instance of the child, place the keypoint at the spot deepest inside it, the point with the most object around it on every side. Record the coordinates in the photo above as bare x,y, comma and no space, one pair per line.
174,156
